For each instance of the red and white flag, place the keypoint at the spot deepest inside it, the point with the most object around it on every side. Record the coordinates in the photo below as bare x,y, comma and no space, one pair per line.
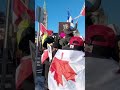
42,29
67,71
31,14
44,56
18,9
23,71
83,10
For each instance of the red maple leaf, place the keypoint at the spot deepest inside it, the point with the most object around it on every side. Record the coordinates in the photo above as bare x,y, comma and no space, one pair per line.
60,68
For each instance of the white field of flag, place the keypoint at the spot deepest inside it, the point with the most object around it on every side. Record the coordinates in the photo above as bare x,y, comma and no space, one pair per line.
74,60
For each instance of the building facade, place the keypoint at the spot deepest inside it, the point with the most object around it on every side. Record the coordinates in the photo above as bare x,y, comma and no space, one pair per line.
45,15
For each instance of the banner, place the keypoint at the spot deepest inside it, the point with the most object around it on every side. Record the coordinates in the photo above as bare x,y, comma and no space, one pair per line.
63,26
43,29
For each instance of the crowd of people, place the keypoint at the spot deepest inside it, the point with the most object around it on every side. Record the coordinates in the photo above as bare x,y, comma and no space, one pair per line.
68,39
100,47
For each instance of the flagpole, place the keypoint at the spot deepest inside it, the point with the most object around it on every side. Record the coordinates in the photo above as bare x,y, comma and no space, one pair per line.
78,18
37,43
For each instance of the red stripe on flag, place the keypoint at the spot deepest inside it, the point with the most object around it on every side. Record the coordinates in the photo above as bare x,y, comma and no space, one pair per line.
31,14
19,8
44,56
23,71
42,29
83,10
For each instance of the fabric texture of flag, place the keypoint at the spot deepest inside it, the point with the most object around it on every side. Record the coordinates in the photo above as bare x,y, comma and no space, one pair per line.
44,56
83,10
42,29
31,14
69,19
23,71
21,27
67,71
18,9
44,37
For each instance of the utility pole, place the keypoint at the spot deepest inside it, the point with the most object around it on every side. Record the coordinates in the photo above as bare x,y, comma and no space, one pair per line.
5,51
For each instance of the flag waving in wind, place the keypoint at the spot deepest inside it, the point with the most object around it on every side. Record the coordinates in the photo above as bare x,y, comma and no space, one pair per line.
42,29
18,9
83,10
69,19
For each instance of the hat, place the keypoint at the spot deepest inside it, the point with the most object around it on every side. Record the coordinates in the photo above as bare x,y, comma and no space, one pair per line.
76,41
62,35
100,35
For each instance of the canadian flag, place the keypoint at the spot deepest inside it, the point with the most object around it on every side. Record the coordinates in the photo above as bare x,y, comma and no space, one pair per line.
42,29
23,71
44,56
83,10
67,71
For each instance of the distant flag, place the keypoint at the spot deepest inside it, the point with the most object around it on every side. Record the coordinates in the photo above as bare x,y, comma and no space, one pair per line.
69,19
44,37
44,56
42,29
83,10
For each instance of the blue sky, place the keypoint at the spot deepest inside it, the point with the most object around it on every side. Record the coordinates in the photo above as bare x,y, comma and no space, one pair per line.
57,12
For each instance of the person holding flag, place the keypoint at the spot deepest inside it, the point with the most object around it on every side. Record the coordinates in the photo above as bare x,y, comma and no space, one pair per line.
67,69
